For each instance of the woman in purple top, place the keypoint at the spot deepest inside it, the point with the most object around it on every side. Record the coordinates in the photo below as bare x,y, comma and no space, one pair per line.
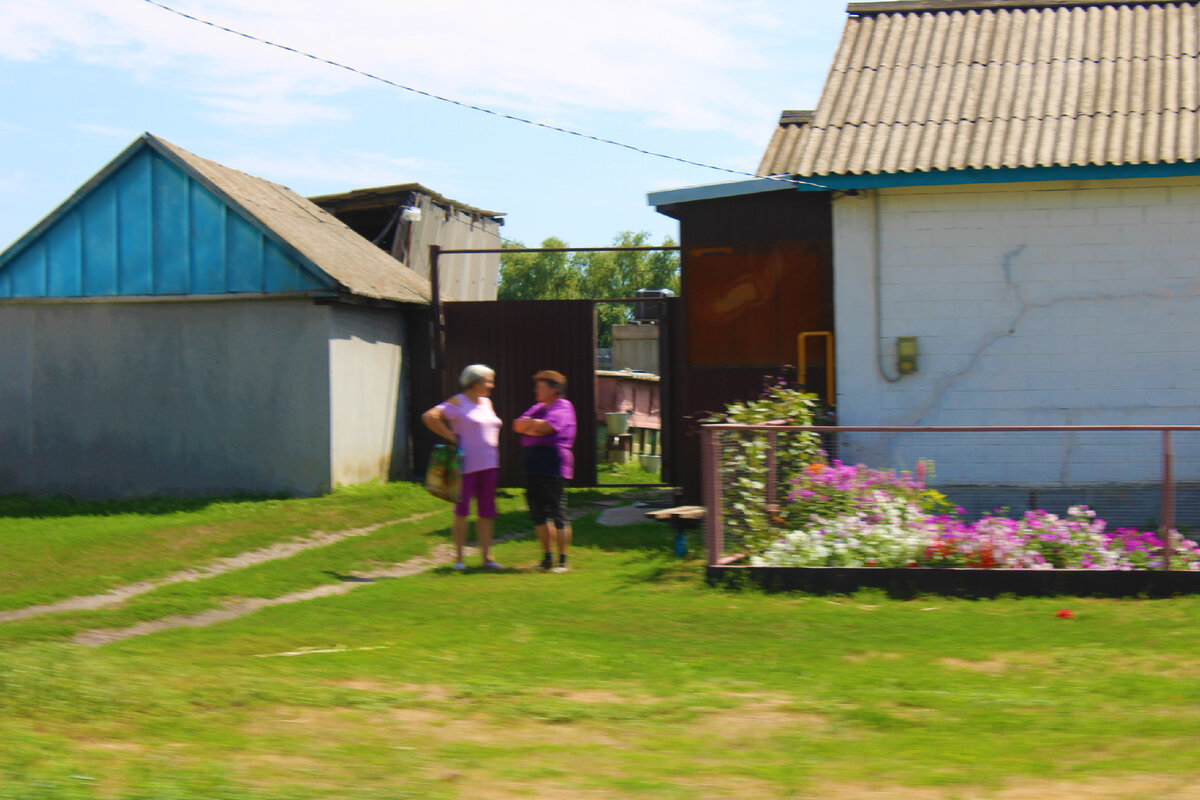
469,421
547,435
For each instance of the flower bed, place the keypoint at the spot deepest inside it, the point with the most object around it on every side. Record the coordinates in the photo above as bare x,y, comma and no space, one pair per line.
838,515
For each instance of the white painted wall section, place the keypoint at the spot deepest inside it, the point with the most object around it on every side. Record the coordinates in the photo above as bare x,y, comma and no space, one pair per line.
1033,304
367,411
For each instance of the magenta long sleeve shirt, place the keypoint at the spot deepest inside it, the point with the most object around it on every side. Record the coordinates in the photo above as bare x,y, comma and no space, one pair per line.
560,415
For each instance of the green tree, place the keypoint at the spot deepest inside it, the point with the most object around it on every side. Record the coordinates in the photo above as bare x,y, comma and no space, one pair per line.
621,274
594,276
539,276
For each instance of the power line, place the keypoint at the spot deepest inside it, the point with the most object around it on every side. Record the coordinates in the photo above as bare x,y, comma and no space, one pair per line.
480,109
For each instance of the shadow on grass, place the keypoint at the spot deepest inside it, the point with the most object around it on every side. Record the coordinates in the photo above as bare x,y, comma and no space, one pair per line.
651,550
26,506
648,537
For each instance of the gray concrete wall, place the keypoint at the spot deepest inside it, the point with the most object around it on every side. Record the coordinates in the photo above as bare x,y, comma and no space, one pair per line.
127,399
368,419
16,396
635,347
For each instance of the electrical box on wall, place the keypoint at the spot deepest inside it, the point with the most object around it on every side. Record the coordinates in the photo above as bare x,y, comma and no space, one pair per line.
906,354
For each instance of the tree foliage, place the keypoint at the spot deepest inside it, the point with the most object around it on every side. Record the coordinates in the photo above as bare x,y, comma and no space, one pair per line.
590,276
539,276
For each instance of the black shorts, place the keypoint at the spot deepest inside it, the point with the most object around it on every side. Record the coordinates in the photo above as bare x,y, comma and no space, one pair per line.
546,499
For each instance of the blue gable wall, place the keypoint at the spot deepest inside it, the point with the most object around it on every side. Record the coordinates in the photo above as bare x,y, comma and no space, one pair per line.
149,228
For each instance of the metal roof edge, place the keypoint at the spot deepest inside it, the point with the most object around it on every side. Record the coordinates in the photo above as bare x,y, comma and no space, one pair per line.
1083,172
304,294
896,180
712,191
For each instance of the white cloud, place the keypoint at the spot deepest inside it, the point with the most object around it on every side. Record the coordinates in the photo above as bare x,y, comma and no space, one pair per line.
679,64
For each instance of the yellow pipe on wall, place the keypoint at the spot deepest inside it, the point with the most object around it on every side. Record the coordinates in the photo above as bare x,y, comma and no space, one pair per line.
802,361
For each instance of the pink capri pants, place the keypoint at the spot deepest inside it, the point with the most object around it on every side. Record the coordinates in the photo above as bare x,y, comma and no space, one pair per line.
480,485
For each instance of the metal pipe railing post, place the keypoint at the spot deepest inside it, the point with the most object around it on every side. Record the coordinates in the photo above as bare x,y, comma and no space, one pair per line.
1167,515
771,467
710,465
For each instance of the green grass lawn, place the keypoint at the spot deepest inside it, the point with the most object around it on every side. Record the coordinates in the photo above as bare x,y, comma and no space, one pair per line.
629,472
625,677
51,549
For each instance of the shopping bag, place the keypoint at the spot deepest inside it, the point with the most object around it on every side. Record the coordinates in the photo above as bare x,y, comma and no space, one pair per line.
443,478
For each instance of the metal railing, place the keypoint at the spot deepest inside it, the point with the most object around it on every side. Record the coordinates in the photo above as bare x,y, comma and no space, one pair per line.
1133,471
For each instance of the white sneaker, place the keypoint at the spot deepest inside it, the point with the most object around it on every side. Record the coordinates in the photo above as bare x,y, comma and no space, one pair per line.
560,568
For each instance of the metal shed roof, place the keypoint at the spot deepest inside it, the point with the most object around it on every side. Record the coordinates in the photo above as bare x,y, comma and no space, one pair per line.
944,85
382,195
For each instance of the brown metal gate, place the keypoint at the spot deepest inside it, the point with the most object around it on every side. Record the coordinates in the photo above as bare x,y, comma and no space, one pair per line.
517,338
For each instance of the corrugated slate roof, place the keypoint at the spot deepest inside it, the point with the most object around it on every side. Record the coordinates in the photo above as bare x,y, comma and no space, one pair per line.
953,85
312,233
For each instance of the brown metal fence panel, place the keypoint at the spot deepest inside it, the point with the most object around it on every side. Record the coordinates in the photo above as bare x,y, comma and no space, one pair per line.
423,388
517,338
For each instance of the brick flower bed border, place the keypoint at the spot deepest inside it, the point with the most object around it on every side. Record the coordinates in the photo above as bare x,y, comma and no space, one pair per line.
964,582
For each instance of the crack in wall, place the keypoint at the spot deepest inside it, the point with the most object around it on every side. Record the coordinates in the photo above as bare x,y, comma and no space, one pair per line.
1007,262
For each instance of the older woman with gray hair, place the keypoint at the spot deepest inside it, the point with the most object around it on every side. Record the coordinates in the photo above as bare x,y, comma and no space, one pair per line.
468,420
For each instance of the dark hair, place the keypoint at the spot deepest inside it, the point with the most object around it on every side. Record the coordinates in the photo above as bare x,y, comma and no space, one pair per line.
555,380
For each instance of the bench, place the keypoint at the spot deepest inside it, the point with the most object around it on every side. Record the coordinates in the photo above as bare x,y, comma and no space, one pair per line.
681,519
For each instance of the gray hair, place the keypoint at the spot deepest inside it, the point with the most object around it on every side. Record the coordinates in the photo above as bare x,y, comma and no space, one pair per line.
475,373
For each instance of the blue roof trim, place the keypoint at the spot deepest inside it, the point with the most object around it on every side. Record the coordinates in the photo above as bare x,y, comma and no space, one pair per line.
843,183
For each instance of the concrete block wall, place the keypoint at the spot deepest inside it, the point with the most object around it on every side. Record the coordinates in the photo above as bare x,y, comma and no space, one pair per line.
1050,303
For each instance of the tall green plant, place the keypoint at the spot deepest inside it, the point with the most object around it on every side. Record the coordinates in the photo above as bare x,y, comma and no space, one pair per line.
747,514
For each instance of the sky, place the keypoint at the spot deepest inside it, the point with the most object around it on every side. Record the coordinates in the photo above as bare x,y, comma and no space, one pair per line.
703,80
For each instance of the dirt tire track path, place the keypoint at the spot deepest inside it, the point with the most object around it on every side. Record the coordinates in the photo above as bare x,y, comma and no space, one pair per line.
120,594
440,555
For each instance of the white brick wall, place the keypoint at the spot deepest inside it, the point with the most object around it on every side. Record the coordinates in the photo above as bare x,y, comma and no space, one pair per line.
1033,304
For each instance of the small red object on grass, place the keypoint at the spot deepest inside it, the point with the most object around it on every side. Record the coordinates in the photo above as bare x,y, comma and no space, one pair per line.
1065,613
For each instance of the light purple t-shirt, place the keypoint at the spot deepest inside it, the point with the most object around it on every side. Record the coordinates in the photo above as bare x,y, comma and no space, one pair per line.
560,415
478,430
